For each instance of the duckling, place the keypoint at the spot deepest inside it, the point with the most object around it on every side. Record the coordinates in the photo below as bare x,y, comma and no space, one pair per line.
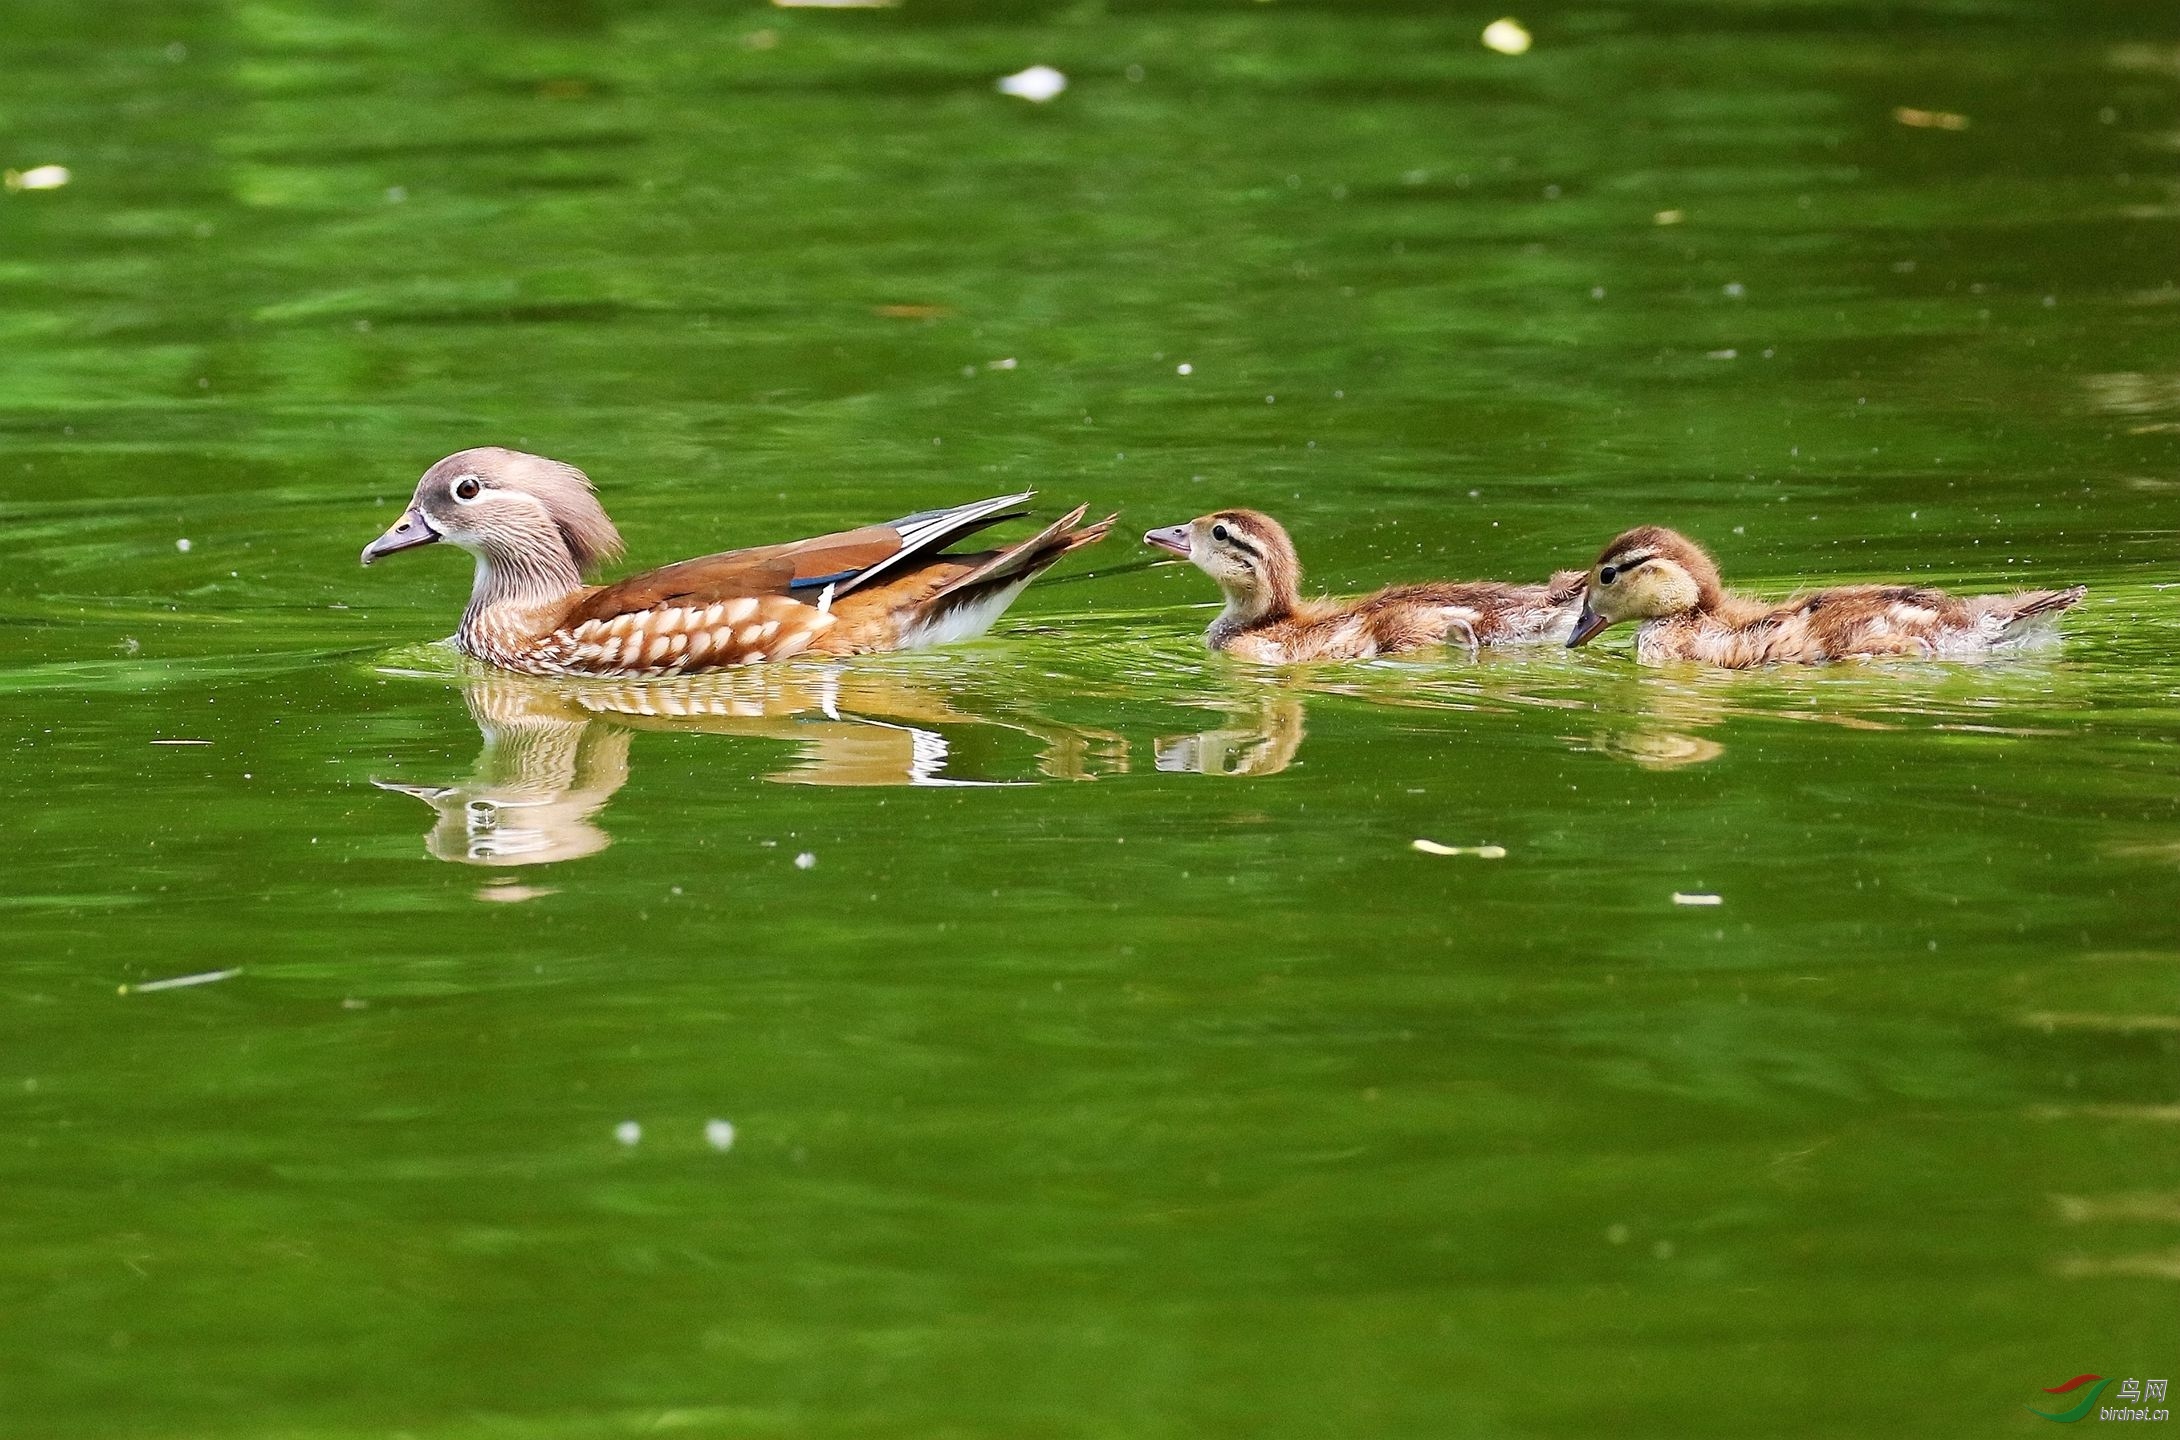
1669,583
536,527
1267,620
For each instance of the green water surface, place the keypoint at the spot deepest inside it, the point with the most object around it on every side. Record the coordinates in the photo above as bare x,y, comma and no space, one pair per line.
1058,1036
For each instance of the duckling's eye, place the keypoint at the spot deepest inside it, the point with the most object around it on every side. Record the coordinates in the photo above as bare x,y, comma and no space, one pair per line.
1607,575
1218,532
468,488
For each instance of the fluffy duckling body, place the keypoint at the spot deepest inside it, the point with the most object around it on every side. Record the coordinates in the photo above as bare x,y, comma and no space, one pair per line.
1668,583
1267,620
535,527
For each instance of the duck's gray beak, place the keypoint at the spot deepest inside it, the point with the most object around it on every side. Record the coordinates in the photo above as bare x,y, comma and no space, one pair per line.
1173,538
410,531
1587,625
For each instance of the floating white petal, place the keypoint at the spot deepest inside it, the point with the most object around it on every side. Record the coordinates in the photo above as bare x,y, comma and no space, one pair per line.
1038,83
39,177
1481,852
1507,37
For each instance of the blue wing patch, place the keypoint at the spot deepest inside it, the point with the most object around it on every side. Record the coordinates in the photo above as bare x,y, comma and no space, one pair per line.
817,581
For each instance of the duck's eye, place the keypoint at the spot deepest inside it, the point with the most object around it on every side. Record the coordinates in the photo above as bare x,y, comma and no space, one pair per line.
468,488
1608,574
1218,532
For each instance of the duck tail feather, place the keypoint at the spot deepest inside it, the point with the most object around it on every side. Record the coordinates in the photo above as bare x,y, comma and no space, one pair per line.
2034,613
2044,602
1036,553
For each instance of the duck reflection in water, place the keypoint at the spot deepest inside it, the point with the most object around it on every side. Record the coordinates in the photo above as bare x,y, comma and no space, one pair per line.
1260,737
1658,725
555,751
1675,717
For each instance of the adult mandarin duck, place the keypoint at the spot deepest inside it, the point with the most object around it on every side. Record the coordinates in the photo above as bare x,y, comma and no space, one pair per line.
1266,619
1668,583
535,528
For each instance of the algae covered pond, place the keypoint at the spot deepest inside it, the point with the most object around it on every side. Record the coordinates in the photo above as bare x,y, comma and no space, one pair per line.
1060,1035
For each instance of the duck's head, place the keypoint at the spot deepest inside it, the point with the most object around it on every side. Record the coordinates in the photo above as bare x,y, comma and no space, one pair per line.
1246,551
518,512
1644,574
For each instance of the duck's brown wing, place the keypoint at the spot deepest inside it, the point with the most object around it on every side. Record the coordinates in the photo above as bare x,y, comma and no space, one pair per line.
764,570
1849,620
803,569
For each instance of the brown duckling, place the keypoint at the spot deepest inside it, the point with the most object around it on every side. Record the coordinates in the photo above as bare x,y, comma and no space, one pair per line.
535,528
1266,619
1669,583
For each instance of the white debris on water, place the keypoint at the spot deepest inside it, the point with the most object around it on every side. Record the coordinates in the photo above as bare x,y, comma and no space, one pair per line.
179,982
805,861
719,1134
182,544
39,177
1916,119
1481,852
628,1132
1508,37
1037,84
1683,899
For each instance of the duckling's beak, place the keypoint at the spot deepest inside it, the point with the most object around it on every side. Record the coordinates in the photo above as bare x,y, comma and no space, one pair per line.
1586,625
1173,538
410,531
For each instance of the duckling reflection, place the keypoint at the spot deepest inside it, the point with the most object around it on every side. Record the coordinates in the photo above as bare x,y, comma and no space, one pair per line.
1657,729
1261,736
1658,720
555,751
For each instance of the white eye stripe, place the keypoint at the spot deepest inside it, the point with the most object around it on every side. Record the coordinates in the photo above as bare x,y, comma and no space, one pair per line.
466,488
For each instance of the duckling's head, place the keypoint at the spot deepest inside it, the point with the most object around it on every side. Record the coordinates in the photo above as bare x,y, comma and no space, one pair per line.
1646,573
1246,551
523,514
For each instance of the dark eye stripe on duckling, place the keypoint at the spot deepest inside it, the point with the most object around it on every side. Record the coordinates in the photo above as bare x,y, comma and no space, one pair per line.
1239,541
1612,572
